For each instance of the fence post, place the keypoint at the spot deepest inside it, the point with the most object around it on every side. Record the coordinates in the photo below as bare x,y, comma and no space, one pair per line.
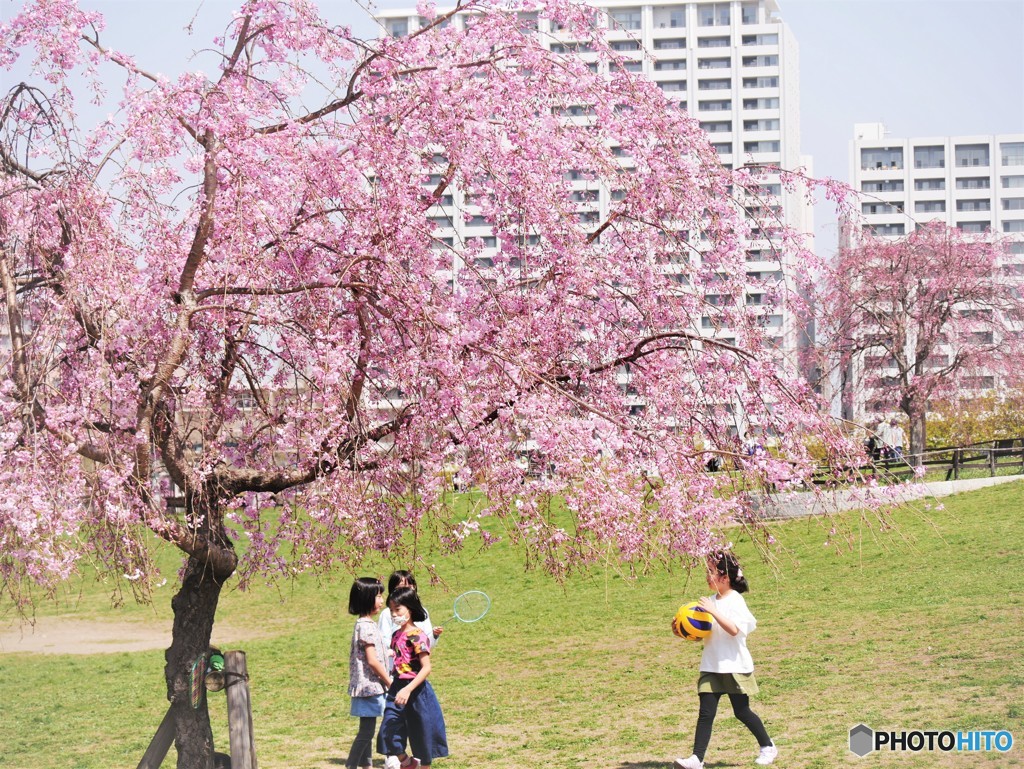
240,734
992,460
957,457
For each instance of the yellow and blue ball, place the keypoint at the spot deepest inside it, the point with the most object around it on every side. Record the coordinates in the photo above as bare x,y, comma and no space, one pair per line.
692,622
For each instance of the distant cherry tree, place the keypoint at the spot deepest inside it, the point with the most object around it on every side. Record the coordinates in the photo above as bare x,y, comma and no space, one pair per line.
223,294
923,318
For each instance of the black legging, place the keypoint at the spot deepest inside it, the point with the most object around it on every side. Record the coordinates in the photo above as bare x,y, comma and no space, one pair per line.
361,753
740,706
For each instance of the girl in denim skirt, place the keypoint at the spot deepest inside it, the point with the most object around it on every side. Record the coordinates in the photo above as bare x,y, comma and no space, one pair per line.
411,710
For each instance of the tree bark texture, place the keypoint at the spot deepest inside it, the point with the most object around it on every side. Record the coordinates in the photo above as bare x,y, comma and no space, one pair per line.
195,607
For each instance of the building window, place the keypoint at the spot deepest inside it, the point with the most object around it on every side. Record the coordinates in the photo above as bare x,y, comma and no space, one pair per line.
670,17
879,158
929,185
973,183
625,18
633,66
767,103
672,86
1013,226
424,22
881,208
721,105
885,229
713,15
889,185
971,155
974,226
719,126
764,124
713,42
973,205
670,44
625,45
1012,182
671,64
721,84
748,13
1013,204
771,60
723,63
930,206
761,82
571,48
770,39
397,27
1012,153
979,382
761,146
929,157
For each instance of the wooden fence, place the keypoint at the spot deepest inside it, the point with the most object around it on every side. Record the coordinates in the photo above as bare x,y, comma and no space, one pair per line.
987,457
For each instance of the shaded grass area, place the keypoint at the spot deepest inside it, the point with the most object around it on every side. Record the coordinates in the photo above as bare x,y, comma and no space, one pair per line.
915,628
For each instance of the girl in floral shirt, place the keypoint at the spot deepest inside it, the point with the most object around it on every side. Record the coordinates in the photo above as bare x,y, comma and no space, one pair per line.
411,709
368,678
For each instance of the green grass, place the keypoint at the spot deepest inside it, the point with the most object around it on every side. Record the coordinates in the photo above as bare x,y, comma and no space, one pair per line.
915,628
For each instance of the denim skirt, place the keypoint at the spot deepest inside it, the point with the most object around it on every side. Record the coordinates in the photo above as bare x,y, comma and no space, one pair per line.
367,706
420,722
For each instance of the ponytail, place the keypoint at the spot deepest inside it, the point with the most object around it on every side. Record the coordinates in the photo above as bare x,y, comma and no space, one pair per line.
726,563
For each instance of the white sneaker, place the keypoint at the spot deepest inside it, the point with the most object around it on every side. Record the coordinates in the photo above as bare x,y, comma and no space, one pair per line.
392,762
767,755
688,763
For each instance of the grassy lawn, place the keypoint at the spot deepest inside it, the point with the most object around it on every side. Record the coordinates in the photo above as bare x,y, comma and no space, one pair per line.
915,628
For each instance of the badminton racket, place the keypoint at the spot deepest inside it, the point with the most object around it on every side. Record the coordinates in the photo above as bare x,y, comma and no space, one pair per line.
471,606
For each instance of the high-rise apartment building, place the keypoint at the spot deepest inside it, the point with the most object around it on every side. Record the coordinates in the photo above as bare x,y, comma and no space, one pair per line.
731,64
975,183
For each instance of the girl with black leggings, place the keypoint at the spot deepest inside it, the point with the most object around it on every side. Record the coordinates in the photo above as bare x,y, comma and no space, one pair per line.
726,666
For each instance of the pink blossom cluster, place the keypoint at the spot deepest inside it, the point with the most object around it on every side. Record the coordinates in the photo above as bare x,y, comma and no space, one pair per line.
248,296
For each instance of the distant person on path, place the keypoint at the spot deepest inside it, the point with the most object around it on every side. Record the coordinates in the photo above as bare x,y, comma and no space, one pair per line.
726,666
882,435
368,677
411,710
897,439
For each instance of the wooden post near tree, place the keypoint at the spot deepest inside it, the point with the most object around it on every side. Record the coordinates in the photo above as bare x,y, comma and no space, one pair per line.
161,743
240,733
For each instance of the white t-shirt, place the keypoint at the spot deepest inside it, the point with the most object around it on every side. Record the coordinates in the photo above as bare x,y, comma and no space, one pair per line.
724,653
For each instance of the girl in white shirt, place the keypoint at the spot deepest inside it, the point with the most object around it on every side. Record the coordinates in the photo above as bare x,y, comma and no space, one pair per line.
726,666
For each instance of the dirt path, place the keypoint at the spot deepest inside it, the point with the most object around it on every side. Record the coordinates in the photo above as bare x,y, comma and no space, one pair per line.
59,635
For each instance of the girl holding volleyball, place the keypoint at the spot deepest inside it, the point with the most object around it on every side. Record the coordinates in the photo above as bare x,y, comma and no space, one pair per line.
726,666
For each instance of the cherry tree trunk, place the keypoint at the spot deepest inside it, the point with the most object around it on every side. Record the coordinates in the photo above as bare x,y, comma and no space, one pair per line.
917,439
195,606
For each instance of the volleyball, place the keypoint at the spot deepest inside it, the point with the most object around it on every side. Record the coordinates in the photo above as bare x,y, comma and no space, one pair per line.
692,622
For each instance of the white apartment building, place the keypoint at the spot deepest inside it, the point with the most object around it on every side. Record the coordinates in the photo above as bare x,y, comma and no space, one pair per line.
975,183
734,66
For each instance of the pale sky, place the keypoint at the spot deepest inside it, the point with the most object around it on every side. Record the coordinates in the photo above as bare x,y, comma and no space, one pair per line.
921,67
